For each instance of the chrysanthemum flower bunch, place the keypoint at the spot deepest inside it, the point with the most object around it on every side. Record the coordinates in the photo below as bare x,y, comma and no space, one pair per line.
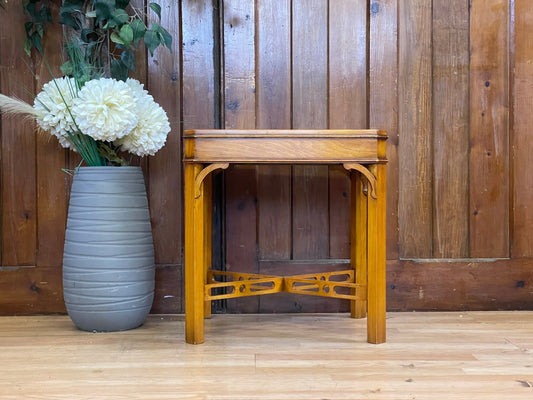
97,120
97,116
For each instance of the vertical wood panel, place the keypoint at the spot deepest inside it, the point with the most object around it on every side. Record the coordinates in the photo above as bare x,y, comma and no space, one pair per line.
309,107
141,56
239,105
19,208
383,102
198,69
347,64
274,212
51,158
339,212
347,105
165,190
273,67
450,127
522,143
489,158
239,64
415,129
198,65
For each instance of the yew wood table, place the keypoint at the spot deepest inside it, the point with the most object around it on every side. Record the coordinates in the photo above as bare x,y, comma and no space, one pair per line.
362,152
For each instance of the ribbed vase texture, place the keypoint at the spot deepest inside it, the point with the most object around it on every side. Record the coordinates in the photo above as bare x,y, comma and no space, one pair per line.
108,259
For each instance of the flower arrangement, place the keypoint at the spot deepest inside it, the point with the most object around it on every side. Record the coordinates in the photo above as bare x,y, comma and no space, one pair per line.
95,109
97,120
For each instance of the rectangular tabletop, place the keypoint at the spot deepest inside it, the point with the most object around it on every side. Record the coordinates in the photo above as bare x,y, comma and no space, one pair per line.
285,146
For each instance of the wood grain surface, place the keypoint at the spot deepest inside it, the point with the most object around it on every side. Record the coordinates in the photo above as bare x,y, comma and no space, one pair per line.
433,356
274,101
165,192
18,142
521,144
309,110
450,128
489,130
239,108
416,144
450,82
383,102
347,90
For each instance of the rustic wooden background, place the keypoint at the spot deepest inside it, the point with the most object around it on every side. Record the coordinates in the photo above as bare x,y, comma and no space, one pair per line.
450,80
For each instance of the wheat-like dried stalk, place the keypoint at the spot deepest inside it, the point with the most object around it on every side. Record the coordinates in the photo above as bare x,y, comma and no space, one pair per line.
12,105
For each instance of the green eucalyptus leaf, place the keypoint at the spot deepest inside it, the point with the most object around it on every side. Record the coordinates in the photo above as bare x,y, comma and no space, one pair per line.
84,79
138,28
126,34
44,14
110,24
128,59
27,47
151,40
68,20
67,68
103,9
70,6
90,14
36,42
156,8
115,38
30,9
120,16
164,36
28,27
119,70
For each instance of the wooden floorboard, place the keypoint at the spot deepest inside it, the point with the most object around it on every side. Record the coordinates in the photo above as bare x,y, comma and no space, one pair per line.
471,355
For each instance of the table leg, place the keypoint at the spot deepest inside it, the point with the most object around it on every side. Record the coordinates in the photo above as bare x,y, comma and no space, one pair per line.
208,216
359,240
376,259
194,257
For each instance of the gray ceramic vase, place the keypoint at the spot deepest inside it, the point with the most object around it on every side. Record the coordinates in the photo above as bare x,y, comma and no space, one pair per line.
108,259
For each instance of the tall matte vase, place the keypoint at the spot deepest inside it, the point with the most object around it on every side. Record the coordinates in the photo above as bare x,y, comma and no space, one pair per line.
108,259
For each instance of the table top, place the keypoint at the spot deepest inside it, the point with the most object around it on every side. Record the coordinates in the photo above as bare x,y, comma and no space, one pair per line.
285,146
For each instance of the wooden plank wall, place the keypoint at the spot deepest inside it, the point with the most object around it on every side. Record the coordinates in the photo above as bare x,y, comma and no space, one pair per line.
450,80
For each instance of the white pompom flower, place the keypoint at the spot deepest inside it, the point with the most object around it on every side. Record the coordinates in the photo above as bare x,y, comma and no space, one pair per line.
137,88
53,107
105,109
152,128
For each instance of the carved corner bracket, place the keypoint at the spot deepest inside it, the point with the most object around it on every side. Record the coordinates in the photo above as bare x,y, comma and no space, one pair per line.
370,178
202,175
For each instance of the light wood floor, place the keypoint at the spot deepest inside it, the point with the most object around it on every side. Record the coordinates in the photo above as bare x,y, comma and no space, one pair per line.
474,355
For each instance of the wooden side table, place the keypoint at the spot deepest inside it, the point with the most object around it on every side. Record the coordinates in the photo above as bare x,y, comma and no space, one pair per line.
363,152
